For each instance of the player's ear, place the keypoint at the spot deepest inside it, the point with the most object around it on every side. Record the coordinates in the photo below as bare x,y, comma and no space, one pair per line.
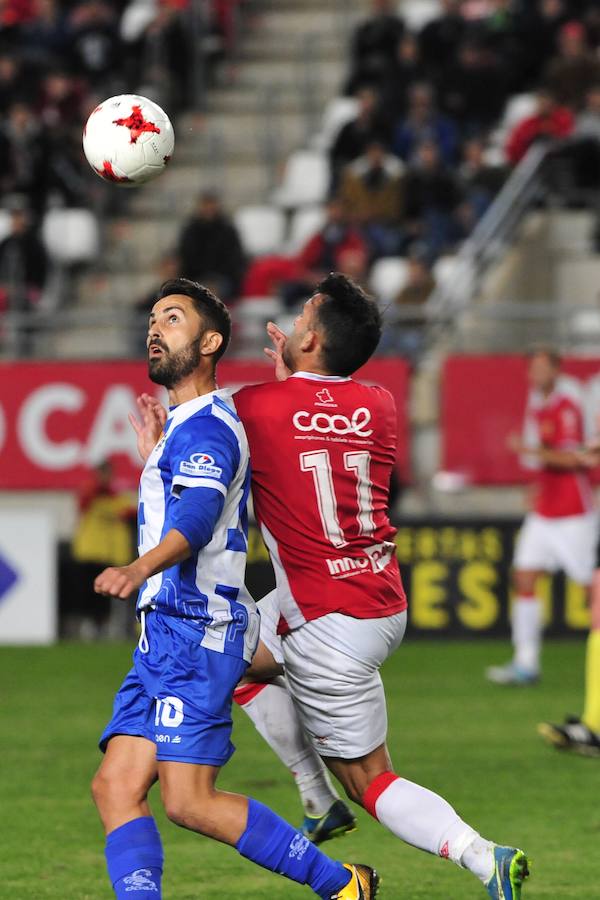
309,340
211,342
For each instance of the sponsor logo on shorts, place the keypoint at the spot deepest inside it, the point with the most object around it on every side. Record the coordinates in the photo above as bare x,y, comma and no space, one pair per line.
298,846
200,464
375,560
140,881
334,423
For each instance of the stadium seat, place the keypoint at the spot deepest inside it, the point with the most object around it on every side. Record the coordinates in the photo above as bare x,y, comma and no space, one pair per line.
517,108
388,277
71,236
305,222
337,113
5,223
250,317
455,274
261,228
417,13
305,180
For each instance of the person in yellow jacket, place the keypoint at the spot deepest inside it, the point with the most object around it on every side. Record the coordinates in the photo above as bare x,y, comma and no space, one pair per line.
103,537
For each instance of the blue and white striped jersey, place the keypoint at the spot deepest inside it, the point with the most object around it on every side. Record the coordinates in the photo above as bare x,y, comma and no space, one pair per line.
203,449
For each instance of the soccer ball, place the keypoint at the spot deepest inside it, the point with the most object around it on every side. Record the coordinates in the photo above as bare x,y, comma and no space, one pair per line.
128,140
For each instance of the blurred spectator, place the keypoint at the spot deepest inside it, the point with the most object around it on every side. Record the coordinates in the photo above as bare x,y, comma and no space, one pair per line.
103,537
23,259
372,187
573,71
353,138
479,181
540,23
24,155
338,243
587,123
374,44
432,197
404,331
440,38
23,273
406,69
60,101
45,38
550,121
424,122
13,80
165,54
474,89
210,249
95,48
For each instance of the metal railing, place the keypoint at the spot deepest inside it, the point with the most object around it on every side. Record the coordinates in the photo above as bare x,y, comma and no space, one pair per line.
497,230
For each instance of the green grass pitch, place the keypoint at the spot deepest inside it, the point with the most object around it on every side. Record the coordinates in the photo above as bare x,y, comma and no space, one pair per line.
474,743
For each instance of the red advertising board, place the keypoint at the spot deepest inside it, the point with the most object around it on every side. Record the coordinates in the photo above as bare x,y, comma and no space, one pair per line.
57,419
482,401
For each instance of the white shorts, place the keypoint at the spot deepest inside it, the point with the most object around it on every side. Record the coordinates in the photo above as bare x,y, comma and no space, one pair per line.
567,543
332,668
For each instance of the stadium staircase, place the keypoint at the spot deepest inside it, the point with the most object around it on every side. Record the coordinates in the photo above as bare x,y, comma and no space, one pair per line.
290,60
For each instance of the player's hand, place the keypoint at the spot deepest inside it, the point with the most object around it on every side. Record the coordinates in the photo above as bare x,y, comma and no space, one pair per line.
154,417
118,581
514,443
279,339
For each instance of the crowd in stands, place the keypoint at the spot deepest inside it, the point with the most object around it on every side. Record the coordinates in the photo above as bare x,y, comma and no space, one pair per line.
58,59
411,171
418,164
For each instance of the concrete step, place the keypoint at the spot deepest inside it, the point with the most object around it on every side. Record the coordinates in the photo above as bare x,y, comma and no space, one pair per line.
243,136
353,7
302,18
118,290
301,73
576,281
180,186
274,45
571,231
101,341
131,243
276,97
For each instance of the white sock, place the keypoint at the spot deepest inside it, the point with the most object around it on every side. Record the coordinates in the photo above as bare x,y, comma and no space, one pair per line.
425,820
527,632
272,710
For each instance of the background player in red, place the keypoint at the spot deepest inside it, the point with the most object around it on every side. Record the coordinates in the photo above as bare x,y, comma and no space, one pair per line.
561,531
322,450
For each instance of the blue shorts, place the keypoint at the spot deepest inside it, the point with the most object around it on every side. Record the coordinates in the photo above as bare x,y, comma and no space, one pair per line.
178,695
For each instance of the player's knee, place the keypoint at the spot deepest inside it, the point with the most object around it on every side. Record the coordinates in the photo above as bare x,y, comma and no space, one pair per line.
113,789
193,816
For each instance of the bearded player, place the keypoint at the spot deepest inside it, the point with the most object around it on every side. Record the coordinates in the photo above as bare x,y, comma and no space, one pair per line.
322,449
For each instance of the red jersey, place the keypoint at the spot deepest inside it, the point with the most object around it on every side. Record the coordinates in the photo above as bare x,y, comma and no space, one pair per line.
322,451
559,424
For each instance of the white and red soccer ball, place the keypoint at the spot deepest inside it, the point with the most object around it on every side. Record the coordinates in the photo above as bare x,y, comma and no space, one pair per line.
128,140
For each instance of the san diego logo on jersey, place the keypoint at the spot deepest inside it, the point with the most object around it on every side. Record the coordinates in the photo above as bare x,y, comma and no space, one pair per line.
201,464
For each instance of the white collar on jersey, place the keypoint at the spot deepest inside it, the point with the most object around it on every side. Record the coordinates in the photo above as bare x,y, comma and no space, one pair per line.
312,376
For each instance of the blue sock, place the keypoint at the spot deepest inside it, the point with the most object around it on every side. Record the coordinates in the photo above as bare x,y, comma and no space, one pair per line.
275,845
134,858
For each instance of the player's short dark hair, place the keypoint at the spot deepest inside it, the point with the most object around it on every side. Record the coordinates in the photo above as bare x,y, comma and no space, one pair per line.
551,353
213,311
351,324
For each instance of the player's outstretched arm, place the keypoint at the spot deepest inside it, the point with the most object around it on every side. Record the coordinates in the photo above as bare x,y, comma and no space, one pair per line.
122,581
279,339
148,431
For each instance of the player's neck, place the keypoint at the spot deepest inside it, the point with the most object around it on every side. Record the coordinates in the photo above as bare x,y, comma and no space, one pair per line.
194,385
